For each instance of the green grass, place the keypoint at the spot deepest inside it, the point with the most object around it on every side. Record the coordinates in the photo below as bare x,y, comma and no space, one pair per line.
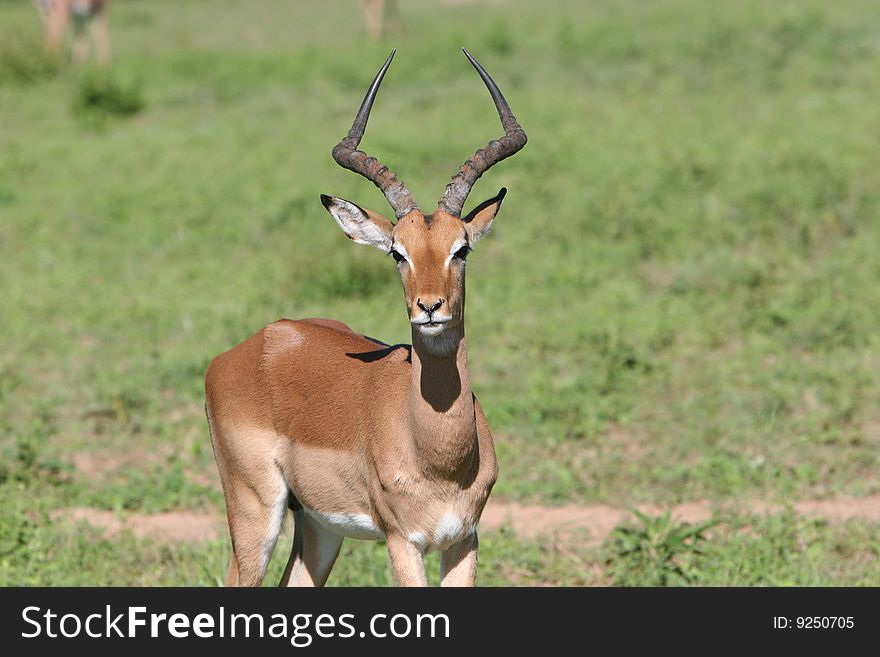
680,299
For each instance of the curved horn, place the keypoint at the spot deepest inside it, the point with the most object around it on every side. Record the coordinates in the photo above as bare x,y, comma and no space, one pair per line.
346,154
496,150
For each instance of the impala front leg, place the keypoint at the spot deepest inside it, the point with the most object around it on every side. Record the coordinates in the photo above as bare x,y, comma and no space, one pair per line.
407,562
458,565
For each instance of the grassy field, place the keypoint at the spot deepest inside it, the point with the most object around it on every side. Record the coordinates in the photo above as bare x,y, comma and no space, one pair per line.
680,300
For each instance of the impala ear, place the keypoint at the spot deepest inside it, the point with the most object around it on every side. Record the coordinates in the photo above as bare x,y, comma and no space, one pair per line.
362,226
478,222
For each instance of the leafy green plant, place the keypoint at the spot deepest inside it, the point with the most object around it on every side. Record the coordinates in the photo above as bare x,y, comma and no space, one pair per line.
656,551
101,95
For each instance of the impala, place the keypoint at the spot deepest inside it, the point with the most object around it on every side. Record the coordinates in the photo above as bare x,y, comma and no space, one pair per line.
375,14
92,13
362,439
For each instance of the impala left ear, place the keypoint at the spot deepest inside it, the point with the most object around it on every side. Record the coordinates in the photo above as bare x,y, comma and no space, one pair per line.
478,222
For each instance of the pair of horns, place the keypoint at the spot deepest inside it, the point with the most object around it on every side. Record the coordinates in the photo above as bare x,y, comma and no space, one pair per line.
346,154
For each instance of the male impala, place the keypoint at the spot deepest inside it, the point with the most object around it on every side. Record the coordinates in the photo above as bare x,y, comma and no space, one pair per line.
359,438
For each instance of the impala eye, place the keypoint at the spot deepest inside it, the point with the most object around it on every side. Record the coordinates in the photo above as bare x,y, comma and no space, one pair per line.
396,255
462,253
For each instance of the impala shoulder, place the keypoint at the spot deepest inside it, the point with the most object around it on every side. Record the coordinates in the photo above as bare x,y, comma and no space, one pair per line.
284,330
334,324
291,333
294,332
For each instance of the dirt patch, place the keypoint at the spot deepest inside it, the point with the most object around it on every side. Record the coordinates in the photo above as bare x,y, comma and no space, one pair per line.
567,523
597,520
529,521
94,464
532,520
840,510
171,526
624,442
97,464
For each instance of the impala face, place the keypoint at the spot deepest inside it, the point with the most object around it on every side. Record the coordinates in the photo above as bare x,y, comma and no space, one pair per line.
430,253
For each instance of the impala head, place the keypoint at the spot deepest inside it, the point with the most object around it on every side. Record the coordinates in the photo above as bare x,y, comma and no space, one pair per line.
429,250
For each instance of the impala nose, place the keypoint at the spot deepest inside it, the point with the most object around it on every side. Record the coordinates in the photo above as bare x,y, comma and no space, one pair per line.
429,307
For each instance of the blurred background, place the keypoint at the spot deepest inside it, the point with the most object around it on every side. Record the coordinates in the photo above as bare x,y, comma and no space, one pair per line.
677,311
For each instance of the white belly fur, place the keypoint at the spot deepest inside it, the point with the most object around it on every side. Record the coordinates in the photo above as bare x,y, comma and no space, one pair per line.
350,525
449,530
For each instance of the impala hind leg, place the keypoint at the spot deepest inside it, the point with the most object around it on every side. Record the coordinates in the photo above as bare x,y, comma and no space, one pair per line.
255,518
313,553
256,500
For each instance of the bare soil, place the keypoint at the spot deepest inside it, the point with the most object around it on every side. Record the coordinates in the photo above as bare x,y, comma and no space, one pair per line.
170,526
587,525
532,520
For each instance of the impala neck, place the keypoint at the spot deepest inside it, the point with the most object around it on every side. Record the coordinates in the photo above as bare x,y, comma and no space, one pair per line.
442,404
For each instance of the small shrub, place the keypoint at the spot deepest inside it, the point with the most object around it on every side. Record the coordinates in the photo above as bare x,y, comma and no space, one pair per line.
100,95
655,552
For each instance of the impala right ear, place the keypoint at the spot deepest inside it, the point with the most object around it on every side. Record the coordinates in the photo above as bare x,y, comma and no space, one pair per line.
362,226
